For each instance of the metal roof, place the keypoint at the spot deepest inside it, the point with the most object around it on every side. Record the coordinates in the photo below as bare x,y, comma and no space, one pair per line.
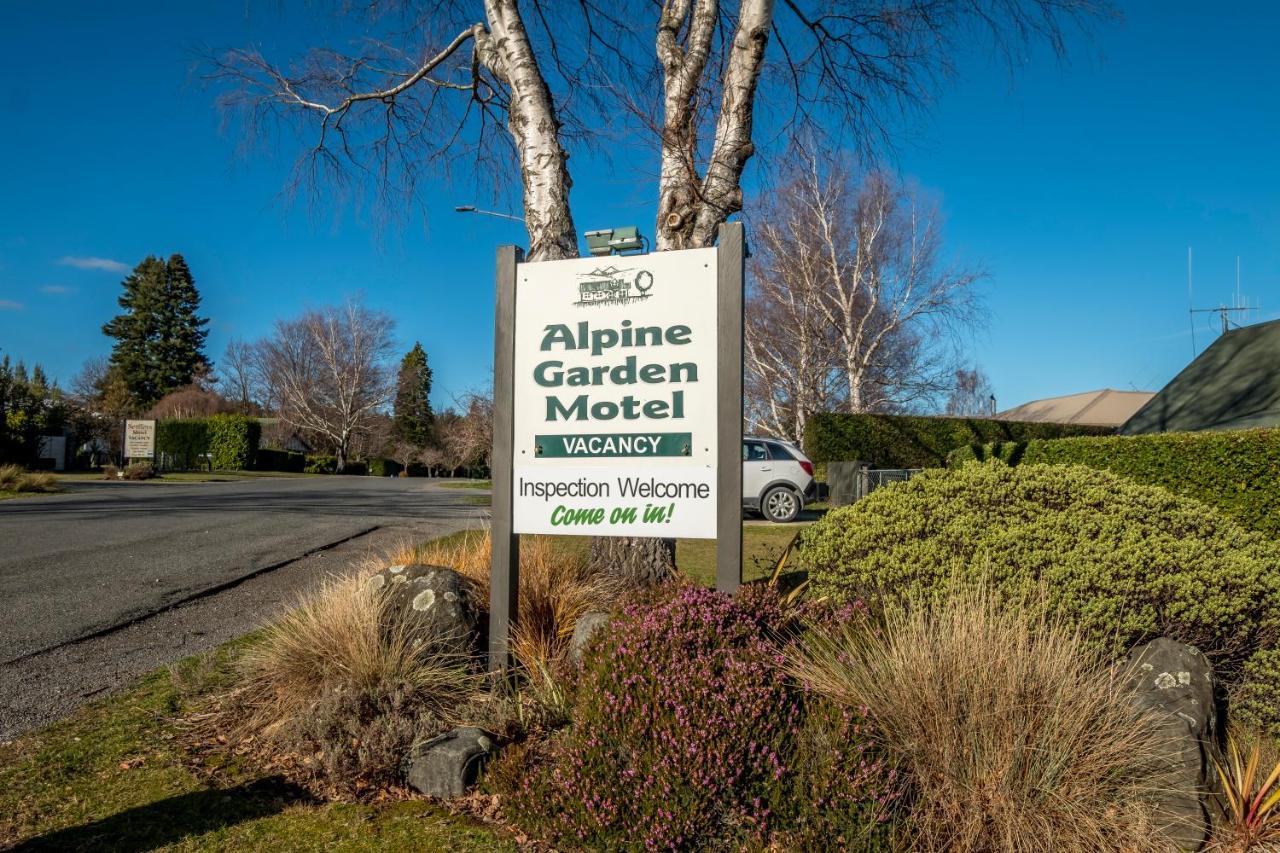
1104,407
1233,384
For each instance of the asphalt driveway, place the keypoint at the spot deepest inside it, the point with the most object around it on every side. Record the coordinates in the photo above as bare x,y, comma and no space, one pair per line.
78,564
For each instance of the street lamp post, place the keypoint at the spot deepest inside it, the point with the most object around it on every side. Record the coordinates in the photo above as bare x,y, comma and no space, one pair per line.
471,208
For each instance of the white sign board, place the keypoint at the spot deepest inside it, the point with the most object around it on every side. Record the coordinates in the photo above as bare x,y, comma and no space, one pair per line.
140,439
615,396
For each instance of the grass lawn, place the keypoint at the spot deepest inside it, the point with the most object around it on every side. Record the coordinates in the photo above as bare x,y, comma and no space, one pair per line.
467,484
121,773
7,494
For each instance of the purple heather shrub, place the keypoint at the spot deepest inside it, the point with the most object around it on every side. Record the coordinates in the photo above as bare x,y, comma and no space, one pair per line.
683,736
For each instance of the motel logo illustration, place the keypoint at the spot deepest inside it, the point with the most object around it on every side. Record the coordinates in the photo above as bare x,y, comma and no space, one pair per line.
612,286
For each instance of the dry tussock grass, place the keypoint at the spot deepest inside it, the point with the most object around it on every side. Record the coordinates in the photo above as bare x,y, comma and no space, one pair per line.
340,680
14,479
555,591
1012,736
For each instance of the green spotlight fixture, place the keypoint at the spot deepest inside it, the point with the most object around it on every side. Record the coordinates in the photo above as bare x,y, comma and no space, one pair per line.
610,241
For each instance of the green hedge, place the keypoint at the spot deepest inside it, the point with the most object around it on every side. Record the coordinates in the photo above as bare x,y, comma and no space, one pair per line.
914,441
1237,472
318,463
181,443
1124,562
279,460
233,442
381,467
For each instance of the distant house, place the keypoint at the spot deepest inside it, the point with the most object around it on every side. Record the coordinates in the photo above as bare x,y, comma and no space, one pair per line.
1105,407
276,433
1234,384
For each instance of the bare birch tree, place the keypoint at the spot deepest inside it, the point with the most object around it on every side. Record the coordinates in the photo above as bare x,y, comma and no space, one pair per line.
331,372
851,306
547,71
894,304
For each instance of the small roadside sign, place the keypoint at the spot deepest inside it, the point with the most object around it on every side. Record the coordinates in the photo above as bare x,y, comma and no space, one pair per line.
139,439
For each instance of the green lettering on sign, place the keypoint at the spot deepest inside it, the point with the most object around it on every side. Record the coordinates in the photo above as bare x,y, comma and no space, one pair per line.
610,445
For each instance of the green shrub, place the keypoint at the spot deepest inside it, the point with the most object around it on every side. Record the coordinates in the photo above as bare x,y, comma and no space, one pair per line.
356,468
320,464
233,441
1124,562
139,471
1254,701
268,459
182,443
908,441
382,467
1236,471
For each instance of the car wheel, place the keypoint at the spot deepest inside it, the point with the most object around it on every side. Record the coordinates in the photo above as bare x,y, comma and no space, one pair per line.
780,505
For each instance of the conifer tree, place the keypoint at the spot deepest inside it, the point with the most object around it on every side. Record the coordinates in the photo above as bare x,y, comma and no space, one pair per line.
413,419
160,336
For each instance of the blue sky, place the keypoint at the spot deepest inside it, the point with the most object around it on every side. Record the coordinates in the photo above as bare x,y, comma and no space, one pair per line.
1079,186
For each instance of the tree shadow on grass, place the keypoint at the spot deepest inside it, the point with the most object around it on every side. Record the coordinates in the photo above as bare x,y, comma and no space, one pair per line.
170,820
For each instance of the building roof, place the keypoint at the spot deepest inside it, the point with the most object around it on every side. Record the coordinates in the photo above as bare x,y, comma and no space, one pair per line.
1233,384
1104,407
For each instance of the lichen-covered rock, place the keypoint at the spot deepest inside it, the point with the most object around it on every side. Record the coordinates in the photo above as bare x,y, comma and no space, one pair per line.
432,603
1175,682
446,766
587,626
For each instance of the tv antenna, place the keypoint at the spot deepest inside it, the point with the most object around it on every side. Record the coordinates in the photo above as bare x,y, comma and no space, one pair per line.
1223,311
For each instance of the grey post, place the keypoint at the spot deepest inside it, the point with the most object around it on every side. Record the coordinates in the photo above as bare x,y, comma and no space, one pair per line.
504,570
729,281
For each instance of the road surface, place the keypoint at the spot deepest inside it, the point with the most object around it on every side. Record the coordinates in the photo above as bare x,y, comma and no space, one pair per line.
89,579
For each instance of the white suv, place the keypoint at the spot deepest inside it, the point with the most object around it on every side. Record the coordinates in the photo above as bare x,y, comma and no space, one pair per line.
777,479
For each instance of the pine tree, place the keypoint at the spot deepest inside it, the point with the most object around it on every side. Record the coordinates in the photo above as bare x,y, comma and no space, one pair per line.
181,352
413,420
159,337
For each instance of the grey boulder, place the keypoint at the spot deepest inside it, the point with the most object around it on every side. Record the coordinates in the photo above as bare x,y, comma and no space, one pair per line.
587,626
432,603
1175,683
446,766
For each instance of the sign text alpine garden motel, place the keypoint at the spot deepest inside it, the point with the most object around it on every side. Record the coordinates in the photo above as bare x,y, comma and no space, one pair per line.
614,392
617,388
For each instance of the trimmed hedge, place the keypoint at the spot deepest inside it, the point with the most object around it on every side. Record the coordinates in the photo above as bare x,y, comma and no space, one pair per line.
182,442
1237,472
382,467
916,441
233,441
1124,562
279,460
319,463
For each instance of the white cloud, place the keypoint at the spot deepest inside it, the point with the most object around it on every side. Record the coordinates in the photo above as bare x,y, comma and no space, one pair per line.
10,305
93,264
57,288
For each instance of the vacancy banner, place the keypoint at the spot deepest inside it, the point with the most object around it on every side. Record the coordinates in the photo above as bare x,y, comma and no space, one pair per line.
615,396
